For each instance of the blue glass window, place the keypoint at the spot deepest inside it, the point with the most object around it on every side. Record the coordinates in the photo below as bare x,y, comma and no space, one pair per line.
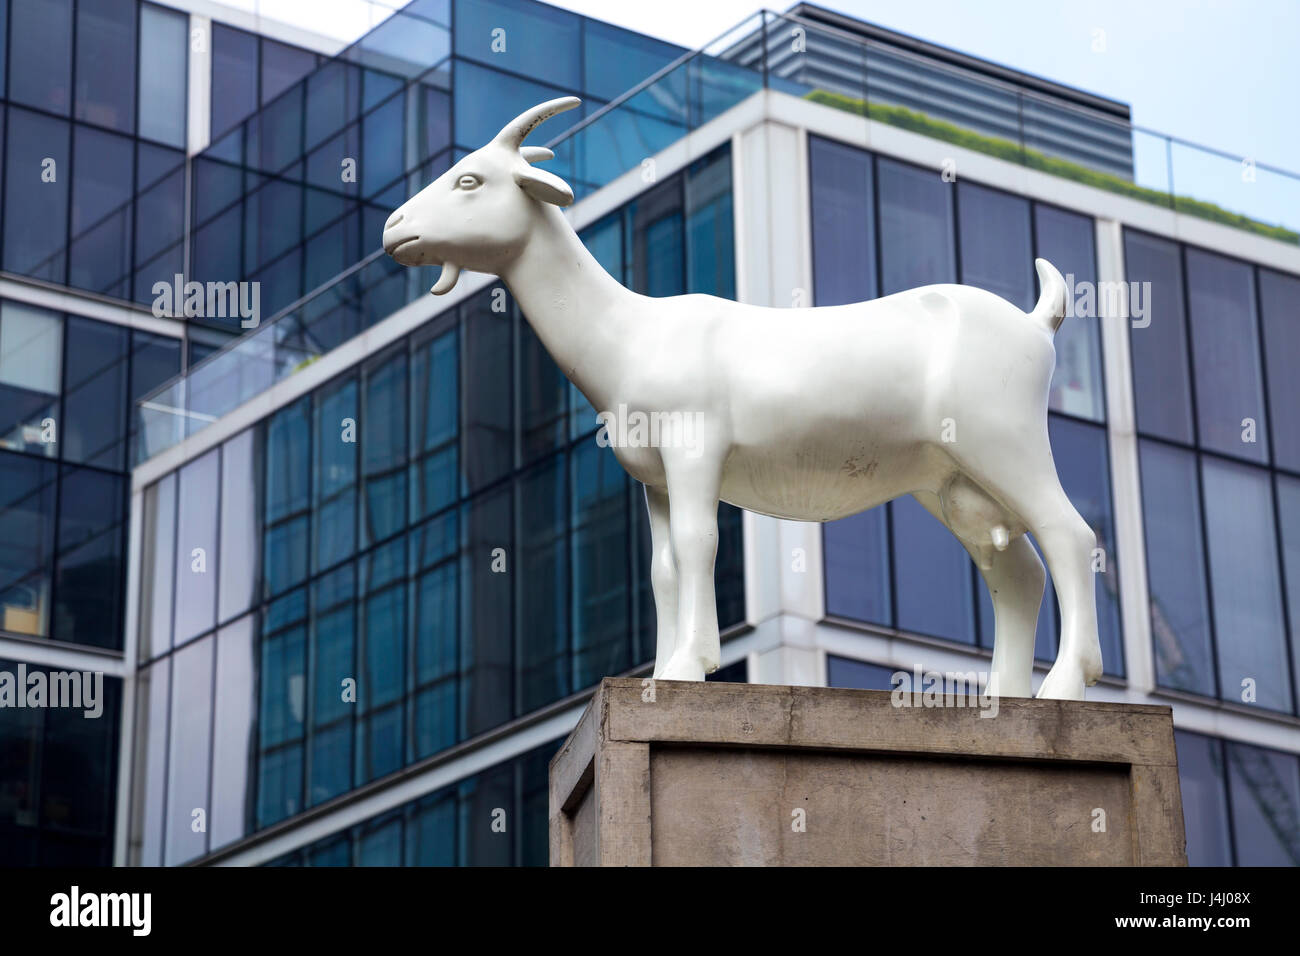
542,585
94,401
916,227
283,66
37,174
710,227
383,447
282,686
526,39
1225,352
333,664
843,223
600,549
381,658
932,575
1180,616
164,74
845,672
1278,295
435,408
234,77
1066,240
91,568
1205,800
856,559
288,500
189,751
434,548
1288,520
1265,794
487,634
40,54
197,560
1161,385
99,257
27,495
996,247
106,63
1245,587
334,475
487,399
31,359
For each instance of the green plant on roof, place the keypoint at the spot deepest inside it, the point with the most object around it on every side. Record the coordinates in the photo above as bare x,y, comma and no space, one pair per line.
1013,152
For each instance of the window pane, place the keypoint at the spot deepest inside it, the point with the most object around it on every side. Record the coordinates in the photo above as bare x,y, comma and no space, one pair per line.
1180,617
27,493
154,360
1225,349
94,404
531,40
1205,802
149,786
1066,240
333,661
106,63
856,555
845,672
383,447
1004,267
542,389
197,560
1161,388
164,74
435,419
334,484
487,660
600,548
380,844
487,403
1245,584
431,831
617,60
933,575
1279,297
282,683
434,549
36,195
241,529
381,659
543,638
191,742
40,54
1083,463
843,233
234,77
480,795
232,737
158,567
288,501
31,356
710,227
99,257
91,567
1288,520
916,228
283,66
1265,786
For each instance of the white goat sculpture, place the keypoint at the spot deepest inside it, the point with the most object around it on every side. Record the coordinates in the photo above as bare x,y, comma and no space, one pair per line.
809,414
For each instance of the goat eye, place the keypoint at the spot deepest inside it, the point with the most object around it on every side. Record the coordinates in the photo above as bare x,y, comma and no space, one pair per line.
468,182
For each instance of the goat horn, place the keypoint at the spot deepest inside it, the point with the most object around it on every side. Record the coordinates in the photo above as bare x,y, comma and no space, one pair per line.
513,133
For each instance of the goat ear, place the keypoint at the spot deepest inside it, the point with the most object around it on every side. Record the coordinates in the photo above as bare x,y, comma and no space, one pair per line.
536,154
544,186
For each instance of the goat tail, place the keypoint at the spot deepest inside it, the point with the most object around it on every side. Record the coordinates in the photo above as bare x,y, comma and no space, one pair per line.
1050,310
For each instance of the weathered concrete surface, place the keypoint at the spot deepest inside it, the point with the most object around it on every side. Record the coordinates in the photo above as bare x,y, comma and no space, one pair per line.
686,773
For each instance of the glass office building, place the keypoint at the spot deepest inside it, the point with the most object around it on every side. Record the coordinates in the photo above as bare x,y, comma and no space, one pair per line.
352,573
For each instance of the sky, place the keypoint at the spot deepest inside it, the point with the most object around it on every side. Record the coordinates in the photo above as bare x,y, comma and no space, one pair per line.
1222,73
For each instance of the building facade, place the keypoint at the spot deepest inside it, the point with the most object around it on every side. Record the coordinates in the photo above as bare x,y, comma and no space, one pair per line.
353,574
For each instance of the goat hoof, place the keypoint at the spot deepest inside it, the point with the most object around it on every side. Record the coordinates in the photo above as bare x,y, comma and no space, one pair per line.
683,667
1063,682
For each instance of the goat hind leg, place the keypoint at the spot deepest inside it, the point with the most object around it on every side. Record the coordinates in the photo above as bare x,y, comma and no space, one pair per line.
693,486
663,577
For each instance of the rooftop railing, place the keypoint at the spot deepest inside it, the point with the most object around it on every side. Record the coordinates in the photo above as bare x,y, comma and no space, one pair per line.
802,58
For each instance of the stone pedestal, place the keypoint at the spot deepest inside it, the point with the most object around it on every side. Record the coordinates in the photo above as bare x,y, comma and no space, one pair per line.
675,773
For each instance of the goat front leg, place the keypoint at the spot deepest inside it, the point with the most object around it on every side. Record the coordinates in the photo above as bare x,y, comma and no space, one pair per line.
693,487
663,577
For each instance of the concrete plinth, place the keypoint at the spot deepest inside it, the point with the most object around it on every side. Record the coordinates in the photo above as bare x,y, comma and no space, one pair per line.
675,773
